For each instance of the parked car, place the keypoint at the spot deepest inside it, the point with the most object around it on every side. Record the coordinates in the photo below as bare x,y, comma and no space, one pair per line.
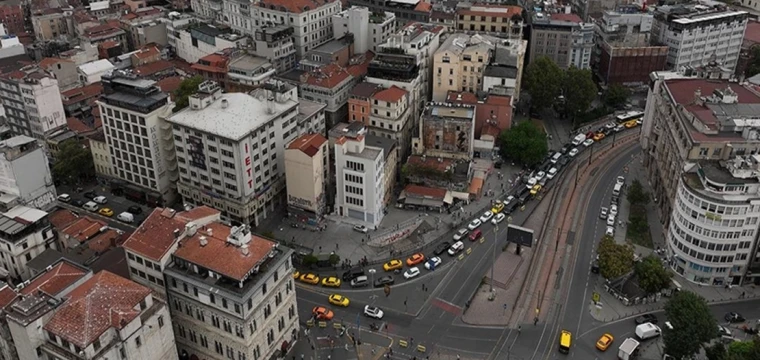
733,317
551,173
474,224
106,212
603,213
456,248
588,142
614,209
90,206
77,202
64,198
610,231
100,199
442,248
433,263
384,280
411,273
134,209
573,152
393,265
498,218
611,220
361,228
415,259
90,195
646,318
461,234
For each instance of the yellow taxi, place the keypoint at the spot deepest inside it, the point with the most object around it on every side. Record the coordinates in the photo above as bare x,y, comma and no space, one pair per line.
497,208
565,341
331,281
322,313
598,136
630,124
394,264
106,212
310,279
339,300
415,259
604,342
535,189
296,274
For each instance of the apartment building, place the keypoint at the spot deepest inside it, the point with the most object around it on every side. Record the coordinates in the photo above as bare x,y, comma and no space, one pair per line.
623,54
236,163
328,84
307,171
406,11
208,9
360,177
237,14
32,102
459,64
232,295
564,38
142,153
490,18
275,43
359,103
24,233
369,29
106,33
26,179
101,155
504,74
695,34
53,23
390,118
447,131
311,20
199,39
12,16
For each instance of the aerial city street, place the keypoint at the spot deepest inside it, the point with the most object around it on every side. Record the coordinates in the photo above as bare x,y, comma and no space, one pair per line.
367,180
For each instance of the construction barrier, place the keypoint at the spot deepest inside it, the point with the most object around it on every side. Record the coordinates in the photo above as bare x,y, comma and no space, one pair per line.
310,323
421,348
482,240
338,325
469,251
461,257
522,208
323,324
403,343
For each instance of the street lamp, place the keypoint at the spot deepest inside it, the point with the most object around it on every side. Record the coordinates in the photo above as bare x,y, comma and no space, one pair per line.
590,154
493,257
372,275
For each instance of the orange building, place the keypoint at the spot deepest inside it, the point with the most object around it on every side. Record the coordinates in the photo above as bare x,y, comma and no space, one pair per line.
359,102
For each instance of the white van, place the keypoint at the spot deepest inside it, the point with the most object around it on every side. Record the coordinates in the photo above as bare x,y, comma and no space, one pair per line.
579,139
126,217
90,206
616,190
556,157
647,331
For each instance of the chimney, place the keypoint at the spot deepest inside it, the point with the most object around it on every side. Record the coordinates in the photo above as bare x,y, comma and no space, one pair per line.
210,231
203,241
225,103
244,250
176,234
190,229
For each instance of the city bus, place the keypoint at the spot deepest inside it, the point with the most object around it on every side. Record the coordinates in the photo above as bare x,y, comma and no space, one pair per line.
631,115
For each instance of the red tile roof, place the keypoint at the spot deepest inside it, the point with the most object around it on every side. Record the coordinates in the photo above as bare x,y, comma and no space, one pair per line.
423,191
392,94
170,84
683,90
77,125
62,218
154,67
104,241
146,52
329,76
109,44
293,6
423,7
83,229
456,97
752,34
360,64
198,213
7,294
47,62
53,281
103,29
155,236
82,93
309,144
104,301
218,256
567,17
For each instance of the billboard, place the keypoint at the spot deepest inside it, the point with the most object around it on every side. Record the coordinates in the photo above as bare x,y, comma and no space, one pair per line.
520,235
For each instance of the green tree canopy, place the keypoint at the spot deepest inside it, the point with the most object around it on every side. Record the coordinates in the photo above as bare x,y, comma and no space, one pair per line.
652,275
524,142
737,350
579,90
637,195
616,96
73,162
615,260
543,80
693,323
186,88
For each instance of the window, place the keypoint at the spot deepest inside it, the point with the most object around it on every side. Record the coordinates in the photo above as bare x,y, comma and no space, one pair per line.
160,321
96,344
138,342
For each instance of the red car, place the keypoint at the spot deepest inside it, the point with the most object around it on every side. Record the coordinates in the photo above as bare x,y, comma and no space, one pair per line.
476,235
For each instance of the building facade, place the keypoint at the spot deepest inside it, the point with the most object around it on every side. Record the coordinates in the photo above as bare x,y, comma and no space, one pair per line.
563,38
490,18
101,156
390,118
311,20
25,177
307,170
369,29
446,131
24,233
133,112
275,43
198,40
406,11
32,102
459,64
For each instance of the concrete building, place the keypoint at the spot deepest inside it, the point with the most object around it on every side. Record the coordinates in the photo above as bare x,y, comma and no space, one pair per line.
622,54
406,11
490,18
446,131
208,9
101,155
232,295
696,34
369,29
236,163
275,43
330,85
9,43
390,118
143,28
199,40
237,15
359,102
360,177
460,62
593,9
493,113
53,23
133,112
92,72
24,233
25,177
562,37
32,102
248,71
504,74
106,33
64,70
307,171
311,20
12,16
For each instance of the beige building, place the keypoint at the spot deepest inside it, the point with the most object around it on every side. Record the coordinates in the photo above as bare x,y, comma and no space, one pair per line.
306,172
390,118
459,63
489,18
563,38
53,23
101,156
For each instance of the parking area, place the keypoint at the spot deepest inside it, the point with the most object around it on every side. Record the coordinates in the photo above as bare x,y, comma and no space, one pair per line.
117,204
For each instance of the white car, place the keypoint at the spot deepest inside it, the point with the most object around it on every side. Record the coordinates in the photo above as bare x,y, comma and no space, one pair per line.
373,312
573,152
610,231
100,199
474,224
588,142
531,182
610,125
90,206
611,220
433,263
603,213
486,216
620,180
411,273
498,218
456,248
613,210
361,228
461,233
540,175
552,173
510,198
64,198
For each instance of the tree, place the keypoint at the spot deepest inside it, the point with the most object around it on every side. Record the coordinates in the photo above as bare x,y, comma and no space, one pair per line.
753,66
186,88
616,96
693,322
579,90
737,350
615,260
652,276
524,142
716,351
73,162
543,80
637,195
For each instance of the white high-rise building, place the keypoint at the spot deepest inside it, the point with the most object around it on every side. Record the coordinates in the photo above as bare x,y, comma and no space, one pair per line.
25,177
32,102
369,29
24,234
311,20
142,150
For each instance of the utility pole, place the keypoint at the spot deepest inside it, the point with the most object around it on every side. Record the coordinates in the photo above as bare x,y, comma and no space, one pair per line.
493,257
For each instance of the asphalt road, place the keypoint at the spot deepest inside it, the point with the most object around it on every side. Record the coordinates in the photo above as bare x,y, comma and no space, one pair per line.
118,204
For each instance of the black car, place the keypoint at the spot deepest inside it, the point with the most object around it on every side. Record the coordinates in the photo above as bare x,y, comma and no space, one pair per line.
497,164
90,195
77,202
733,317
135,210
563,161
442,248
384,280
646,318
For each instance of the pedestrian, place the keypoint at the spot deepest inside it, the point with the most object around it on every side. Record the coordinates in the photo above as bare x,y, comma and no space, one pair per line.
535,321
320,248
519,328
743,293
458,357
411,340
336,246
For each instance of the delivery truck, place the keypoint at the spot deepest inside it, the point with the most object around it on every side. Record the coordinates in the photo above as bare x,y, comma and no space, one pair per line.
647,331
628,349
